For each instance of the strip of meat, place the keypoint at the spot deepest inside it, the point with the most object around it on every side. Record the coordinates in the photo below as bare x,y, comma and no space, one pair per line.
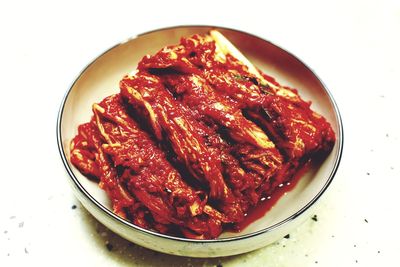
182,132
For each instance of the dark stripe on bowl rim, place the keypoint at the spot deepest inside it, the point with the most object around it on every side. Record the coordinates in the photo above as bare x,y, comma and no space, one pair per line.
120,220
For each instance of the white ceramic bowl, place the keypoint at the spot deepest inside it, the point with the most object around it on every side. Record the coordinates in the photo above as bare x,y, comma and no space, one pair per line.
100,79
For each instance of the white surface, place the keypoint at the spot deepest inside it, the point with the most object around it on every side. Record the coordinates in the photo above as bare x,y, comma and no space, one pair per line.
353,47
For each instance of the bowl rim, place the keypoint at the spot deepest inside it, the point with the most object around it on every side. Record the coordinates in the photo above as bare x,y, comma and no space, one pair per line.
112,215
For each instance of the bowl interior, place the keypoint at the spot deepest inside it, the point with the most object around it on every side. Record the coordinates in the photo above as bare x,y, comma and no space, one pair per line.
102,76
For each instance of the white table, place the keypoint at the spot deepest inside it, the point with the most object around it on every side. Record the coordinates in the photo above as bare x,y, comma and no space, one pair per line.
352,45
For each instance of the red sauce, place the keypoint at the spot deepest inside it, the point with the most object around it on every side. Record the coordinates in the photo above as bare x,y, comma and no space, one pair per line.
268,202
193,145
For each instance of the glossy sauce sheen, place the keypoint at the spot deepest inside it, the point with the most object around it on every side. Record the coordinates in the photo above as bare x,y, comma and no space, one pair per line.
268,202
195,144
